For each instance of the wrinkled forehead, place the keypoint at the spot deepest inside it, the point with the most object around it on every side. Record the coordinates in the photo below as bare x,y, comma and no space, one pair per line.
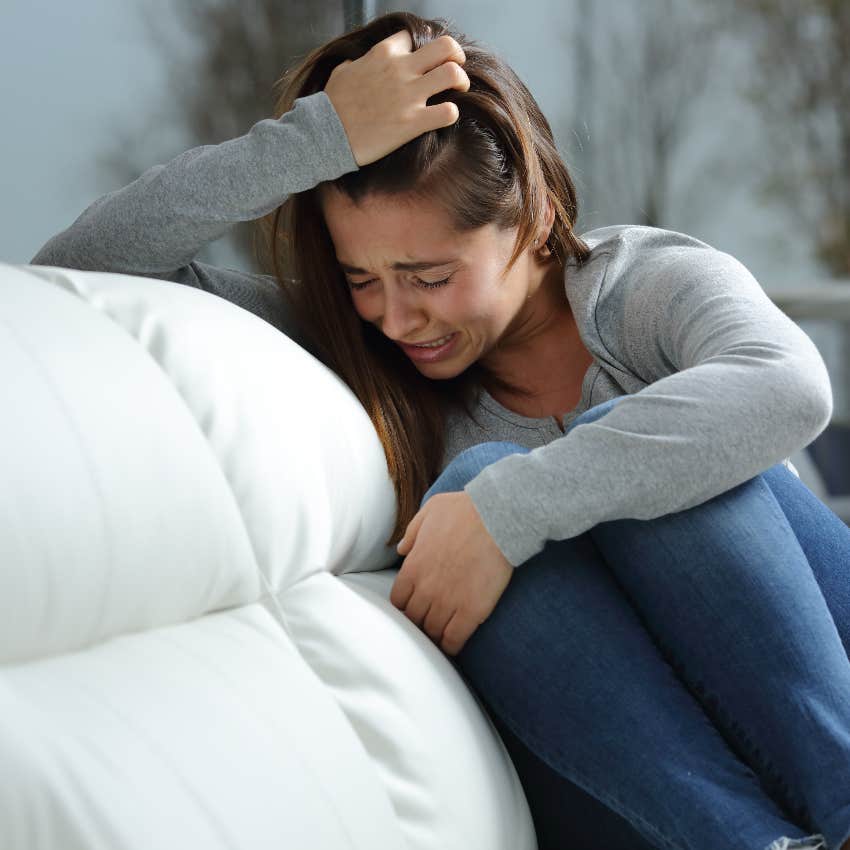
336,203
380,222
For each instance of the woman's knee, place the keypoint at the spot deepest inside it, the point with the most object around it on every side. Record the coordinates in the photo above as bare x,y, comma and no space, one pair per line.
468,463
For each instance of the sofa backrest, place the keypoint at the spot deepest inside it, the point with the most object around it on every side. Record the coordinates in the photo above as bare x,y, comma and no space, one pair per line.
196,643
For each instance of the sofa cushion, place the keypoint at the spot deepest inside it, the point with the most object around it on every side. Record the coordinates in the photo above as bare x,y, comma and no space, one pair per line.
167,453
197,647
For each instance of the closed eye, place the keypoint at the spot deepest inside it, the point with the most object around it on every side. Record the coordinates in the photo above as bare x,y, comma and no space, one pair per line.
427,284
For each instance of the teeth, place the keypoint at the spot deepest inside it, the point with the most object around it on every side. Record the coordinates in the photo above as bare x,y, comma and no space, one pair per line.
436,344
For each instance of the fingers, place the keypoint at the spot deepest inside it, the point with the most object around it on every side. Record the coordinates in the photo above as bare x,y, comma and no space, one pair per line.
398,42
439,115
439,62
449,75
435,53
402,590
431,55
381,97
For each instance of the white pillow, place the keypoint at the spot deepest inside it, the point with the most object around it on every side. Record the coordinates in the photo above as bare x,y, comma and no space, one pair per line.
159,444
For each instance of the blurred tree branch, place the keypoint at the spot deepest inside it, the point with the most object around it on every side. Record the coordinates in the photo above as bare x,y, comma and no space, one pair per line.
221,62
801,86
639,78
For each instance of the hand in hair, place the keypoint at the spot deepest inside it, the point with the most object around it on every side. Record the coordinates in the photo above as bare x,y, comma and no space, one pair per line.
380,97
453,573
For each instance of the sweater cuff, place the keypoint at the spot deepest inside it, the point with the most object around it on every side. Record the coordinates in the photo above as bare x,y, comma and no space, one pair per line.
512,528
328,134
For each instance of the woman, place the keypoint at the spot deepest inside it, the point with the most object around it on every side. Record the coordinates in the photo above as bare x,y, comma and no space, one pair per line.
585,436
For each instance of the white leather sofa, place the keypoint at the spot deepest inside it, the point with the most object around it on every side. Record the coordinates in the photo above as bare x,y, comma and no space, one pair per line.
198,648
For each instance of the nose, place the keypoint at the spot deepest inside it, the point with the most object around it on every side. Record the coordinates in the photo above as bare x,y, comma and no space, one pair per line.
402,316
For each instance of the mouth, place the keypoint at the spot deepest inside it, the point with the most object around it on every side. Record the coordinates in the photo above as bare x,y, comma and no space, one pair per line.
428,344
432,351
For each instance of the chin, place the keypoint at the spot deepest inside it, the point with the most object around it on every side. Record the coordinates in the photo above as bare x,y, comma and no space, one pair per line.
440,371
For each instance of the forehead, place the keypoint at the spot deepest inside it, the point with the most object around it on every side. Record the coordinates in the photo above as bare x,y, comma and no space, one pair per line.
388,225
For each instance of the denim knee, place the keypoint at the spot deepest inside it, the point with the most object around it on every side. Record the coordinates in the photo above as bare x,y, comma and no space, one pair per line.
468,463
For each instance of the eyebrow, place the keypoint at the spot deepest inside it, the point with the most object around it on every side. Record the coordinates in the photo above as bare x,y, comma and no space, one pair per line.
407,267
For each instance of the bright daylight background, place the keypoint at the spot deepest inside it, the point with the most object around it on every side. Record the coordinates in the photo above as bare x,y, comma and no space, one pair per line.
729,121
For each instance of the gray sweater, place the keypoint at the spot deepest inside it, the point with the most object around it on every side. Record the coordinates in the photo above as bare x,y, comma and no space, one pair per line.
721,385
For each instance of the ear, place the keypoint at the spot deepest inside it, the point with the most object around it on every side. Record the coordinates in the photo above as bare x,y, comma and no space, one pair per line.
549,219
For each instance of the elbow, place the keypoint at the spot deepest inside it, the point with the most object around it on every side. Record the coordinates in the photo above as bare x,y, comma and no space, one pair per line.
822,407
58,254
50,254
42,258
814,403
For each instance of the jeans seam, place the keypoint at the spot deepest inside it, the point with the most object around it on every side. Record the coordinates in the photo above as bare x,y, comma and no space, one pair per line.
785,843
773,782
741,740
738,739
612,802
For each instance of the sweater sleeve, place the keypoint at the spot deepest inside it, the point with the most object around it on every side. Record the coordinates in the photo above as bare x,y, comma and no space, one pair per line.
155,226
734,386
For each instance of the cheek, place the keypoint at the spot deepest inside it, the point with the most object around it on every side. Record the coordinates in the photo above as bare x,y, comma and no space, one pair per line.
479,300
364,307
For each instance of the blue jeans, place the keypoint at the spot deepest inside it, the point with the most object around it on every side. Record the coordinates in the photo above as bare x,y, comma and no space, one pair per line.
681,682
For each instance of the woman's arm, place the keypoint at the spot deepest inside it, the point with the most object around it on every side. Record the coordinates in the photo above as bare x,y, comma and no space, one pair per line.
156,225
734,387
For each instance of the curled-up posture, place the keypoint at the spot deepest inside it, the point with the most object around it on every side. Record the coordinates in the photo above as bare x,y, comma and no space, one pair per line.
588,435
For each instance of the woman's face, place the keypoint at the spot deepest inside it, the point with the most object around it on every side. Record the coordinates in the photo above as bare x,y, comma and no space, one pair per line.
395,251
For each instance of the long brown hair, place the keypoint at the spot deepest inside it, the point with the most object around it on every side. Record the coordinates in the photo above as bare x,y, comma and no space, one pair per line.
498,163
